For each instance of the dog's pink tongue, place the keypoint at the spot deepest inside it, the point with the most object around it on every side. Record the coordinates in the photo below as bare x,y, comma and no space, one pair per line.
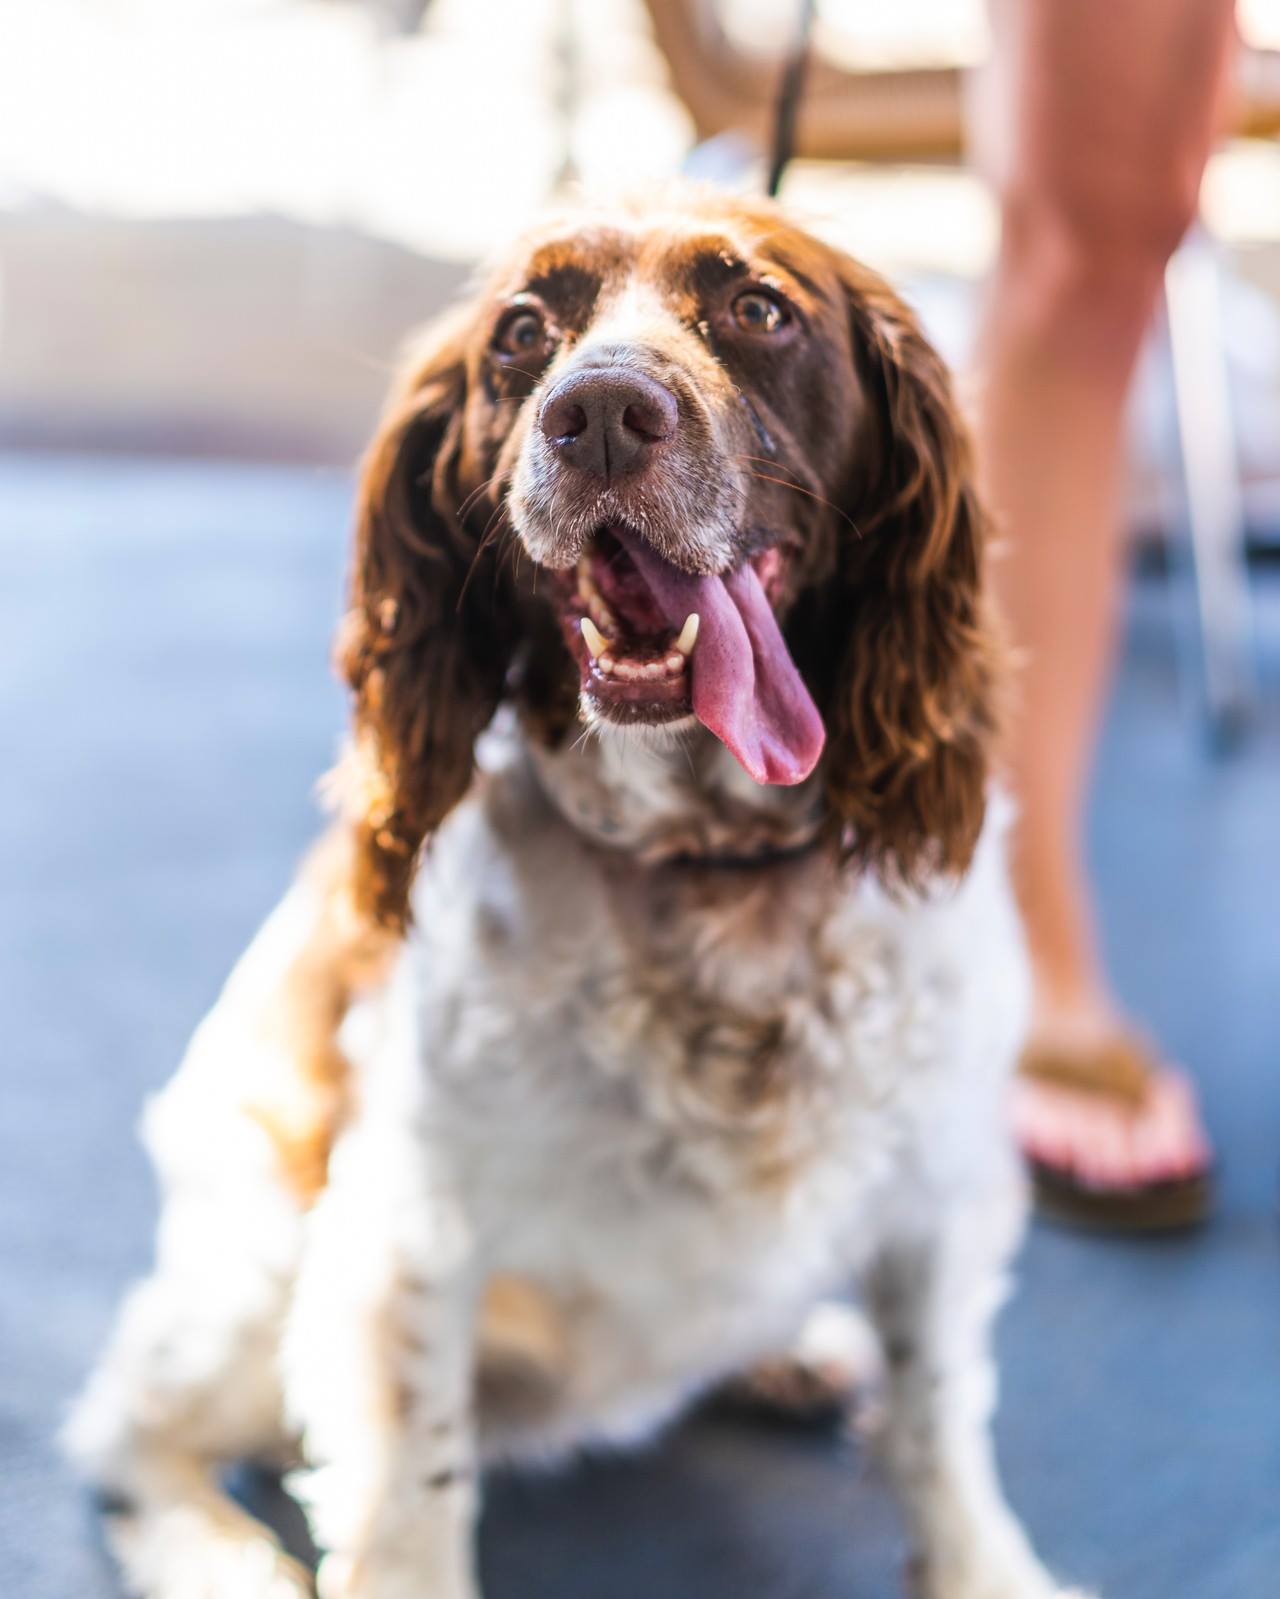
746,688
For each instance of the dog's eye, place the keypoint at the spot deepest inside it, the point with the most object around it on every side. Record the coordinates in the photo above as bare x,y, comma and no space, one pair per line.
521,333
755,311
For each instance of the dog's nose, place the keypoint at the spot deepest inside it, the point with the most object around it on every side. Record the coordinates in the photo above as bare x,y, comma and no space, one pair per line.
608,422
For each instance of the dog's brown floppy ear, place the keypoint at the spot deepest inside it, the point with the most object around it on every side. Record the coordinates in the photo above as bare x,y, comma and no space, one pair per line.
910,694
430,631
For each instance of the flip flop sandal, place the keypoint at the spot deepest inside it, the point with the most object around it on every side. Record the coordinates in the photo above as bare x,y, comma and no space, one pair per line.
1121,1070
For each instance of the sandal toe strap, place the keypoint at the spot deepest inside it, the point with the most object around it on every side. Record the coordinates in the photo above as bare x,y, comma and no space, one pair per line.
1121,1068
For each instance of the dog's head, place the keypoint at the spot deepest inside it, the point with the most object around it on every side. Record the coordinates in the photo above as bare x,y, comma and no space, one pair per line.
674,466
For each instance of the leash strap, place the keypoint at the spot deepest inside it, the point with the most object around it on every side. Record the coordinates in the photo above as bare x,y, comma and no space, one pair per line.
790,91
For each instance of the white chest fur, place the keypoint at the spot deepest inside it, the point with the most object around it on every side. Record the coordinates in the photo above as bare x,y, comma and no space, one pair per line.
679,1099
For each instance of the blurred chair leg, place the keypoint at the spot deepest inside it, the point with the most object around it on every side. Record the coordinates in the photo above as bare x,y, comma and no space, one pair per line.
1210,483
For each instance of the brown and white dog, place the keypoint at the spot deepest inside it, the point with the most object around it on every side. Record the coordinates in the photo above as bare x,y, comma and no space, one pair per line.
570,1077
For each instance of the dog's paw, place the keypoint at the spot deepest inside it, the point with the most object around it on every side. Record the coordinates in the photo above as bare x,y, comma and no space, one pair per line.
832,1370
340,1577
1007,1571
1023,1582
195,1552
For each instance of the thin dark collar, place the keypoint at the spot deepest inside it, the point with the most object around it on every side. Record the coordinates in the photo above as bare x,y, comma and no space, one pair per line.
746,861
717,833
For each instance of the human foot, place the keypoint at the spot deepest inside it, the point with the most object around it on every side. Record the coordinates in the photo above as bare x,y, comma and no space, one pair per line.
1113,1136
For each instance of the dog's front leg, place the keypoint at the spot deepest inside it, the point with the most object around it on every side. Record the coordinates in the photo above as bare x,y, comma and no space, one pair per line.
933,1295
378,1372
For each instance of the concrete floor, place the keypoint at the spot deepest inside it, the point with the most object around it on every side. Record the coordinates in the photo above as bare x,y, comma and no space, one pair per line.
164,709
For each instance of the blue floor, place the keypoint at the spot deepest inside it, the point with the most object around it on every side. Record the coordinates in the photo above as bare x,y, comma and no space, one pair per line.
165,707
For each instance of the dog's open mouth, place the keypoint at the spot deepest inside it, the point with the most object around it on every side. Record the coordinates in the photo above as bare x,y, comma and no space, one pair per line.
656,644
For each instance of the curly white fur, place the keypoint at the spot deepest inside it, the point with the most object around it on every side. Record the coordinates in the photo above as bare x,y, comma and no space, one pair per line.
686,1105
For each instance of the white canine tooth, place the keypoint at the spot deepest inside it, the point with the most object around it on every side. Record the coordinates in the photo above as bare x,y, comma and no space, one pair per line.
688,634
595,639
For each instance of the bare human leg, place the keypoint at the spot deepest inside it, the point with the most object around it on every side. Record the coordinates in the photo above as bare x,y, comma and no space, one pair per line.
1096,124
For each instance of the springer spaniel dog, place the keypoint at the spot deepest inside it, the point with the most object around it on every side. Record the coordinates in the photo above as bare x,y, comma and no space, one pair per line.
661,975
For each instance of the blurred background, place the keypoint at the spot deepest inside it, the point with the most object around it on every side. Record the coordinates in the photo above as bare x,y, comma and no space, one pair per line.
218,221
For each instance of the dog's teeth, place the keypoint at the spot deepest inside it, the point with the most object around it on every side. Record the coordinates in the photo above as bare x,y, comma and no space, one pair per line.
606,663
688,635
594,638
592,598
674,662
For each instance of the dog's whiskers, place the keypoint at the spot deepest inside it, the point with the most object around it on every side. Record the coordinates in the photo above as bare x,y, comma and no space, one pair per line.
799,488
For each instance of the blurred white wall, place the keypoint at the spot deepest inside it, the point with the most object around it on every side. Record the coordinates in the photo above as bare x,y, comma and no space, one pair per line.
219,218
